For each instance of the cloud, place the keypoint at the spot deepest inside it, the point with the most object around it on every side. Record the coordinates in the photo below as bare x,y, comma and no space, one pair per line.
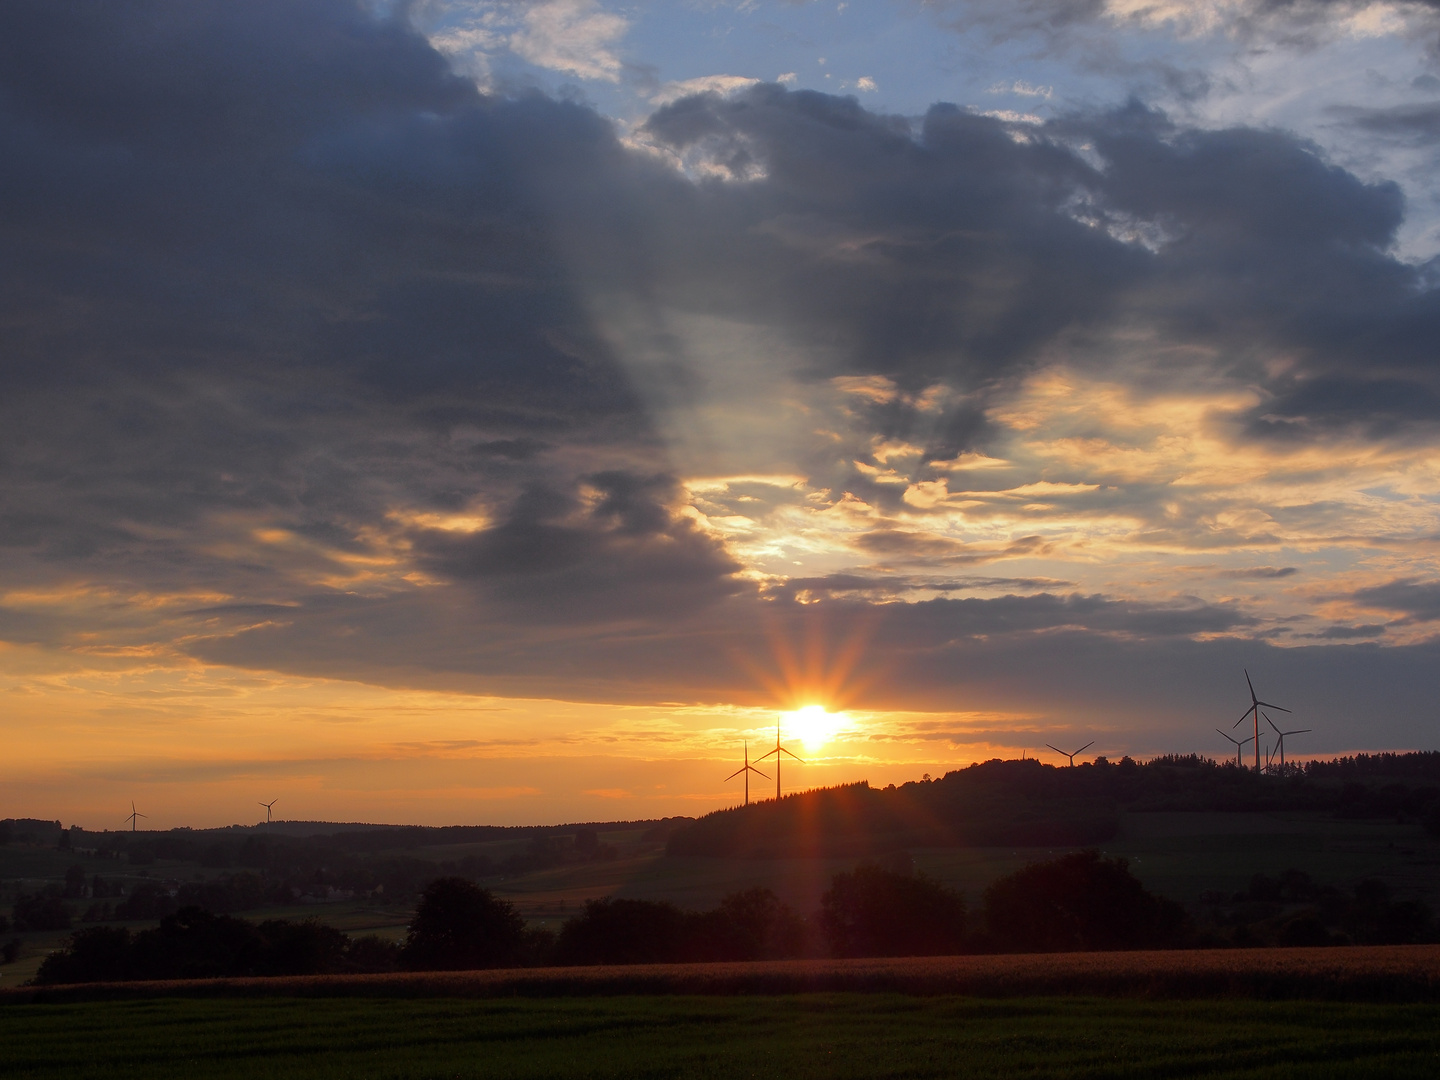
1413,600
318,360
705,84
571,36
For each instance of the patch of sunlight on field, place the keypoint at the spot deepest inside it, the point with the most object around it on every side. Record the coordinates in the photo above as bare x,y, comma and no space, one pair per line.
822,1035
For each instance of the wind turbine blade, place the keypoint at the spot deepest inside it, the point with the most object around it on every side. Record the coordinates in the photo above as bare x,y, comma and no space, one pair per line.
1249,683
1267,704
1243,717
732,776
1085,747
1226,735
767,753
1298,731
1272,724
759,773
1058,750
799,759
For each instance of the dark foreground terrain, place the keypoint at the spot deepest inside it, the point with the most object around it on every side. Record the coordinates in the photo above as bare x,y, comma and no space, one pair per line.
1351,1012
810,1035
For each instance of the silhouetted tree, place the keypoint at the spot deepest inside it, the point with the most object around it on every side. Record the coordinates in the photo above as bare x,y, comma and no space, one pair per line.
147,900
1079,902
40,911
749,925
875,912
622,931
459,926
370,953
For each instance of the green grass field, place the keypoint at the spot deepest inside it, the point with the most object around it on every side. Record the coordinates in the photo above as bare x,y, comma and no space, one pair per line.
833,1035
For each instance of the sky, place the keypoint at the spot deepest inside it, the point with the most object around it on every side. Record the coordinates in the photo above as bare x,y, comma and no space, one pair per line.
509,412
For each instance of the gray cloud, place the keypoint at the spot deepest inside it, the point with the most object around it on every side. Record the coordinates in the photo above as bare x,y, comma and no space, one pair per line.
1418,601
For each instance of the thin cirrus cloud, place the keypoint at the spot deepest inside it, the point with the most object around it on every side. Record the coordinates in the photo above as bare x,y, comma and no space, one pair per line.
326,367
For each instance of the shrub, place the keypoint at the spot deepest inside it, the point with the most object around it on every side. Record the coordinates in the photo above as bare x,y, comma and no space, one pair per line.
459,926
875,912
41,911
148,900
621,931
1079,902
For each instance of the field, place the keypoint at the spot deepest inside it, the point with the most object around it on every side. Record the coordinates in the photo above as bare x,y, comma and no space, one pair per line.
812,1035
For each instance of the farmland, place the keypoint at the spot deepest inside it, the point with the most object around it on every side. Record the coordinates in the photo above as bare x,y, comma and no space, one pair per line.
809,1035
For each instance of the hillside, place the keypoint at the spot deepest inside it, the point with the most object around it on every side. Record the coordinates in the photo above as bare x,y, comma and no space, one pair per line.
1030,804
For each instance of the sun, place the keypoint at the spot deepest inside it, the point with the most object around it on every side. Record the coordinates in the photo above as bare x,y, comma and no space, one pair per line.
813,726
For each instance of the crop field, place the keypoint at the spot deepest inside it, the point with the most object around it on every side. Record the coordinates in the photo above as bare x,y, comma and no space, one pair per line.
810,1035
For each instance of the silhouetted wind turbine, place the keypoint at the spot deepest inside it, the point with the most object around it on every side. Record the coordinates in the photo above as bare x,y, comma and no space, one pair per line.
1281,744
747,769
1255,704
133,815
1072,757
267,806
1239,744
777,752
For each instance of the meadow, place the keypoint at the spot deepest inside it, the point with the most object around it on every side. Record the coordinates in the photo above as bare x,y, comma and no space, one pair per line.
808,1035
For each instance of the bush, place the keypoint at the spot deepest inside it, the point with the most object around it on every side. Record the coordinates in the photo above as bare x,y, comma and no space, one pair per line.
371,953
875,912
42,911
1079,902
459,926
749,925
621,931
147,901
193,944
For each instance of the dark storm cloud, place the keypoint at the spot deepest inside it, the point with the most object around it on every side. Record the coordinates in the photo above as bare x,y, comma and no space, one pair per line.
1414,124
959,253
1416,601
274,259
629,554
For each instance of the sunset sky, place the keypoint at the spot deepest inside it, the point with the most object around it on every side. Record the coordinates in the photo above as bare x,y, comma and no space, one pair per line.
500,412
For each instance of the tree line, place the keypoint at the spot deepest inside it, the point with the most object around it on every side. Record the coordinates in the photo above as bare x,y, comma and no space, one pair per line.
1028,803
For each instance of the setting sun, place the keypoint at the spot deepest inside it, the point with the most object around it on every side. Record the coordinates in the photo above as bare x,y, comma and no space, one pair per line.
813,726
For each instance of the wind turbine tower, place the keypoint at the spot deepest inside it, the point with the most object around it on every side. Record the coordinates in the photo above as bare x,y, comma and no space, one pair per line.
747,769
1280,746
133,815
779,750
267,806
1072,757
1239,745
1254,710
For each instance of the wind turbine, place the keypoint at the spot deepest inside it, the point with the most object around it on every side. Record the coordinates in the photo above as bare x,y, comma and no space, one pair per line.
1073,756
267,806
777,752
1239,744
1281,744
747,769
133,815
1255,704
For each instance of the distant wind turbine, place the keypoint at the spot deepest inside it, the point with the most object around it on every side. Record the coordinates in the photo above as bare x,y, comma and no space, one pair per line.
747,769
1254,709
1239,745
267,806
1072,757
1280,746
133,815
777,752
